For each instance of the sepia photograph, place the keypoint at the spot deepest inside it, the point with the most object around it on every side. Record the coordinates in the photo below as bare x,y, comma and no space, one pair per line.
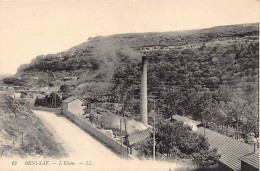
158,85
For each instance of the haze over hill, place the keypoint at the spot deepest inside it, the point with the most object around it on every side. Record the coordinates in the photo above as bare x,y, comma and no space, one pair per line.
2,76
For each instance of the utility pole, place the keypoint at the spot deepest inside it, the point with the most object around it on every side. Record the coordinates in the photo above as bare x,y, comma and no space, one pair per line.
55,105
237,126
154,130
204,128
90,108
126,137
121,139
52,99
168,111
204,122
22,137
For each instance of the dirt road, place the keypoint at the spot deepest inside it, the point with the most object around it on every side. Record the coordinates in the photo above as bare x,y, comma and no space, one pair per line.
85,152
80,145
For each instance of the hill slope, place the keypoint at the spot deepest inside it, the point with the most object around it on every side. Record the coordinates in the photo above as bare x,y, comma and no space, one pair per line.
183,66
16,122
97,59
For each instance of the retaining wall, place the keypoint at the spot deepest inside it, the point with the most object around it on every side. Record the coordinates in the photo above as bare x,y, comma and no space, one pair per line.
110,142
54,110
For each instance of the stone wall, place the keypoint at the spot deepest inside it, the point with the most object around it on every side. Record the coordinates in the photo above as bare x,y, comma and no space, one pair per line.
110,142
54,110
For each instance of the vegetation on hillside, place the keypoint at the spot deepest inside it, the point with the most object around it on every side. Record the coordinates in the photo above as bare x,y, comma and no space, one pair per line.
13,81
209,74
23,134
210,85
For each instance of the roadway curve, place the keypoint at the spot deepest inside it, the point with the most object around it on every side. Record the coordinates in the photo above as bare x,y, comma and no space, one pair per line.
82,148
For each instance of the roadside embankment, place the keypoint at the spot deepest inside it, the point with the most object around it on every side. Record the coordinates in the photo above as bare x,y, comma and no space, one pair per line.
23,134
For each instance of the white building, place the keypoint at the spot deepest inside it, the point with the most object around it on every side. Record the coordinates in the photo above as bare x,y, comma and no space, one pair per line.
74,105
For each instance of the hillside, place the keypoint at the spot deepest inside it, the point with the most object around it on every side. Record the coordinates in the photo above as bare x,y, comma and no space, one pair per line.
22,134
214,69
97,59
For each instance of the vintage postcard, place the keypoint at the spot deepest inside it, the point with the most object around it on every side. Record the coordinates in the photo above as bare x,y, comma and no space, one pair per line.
129,85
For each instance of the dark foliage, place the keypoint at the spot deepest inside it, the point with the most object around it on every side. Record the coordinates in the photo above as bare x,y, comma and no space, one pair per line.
215,84
13,81
64,88
51,100
177,141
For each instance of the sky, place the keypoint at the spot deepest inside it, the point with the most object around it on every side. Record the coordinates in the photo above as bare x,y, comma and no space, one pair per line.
29,28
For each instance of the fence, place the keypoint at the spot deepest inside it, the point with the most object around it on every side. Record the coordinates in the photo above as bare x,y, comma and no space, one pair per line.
225,130
110,142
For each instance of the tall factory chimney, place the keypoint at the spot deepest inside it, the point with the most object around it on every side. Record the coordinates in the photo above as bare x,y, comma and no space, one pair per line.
143,102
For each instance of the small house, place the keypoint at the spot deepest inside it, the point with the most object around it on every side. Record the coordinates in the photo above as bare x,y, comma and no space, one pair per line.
74,105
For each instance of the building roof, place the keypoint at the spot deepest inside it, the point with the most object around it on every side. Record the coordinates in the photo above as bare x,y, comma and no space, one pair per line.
139,136
251,159
71,99
230,149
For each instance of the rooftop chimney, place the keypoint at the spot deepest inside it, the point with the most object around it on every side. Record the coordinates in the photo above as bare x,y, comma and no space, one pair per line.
143,102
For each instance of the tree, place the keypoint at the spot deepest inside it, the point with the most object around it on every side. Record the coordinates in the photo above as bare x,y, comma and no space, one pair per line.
52,100
145,149
91,118
206,107
178,141
206,159
64,88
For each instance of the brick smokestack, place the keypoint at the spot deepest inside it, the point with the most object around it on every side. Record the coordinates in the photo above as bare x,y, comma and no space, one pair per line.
143,102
